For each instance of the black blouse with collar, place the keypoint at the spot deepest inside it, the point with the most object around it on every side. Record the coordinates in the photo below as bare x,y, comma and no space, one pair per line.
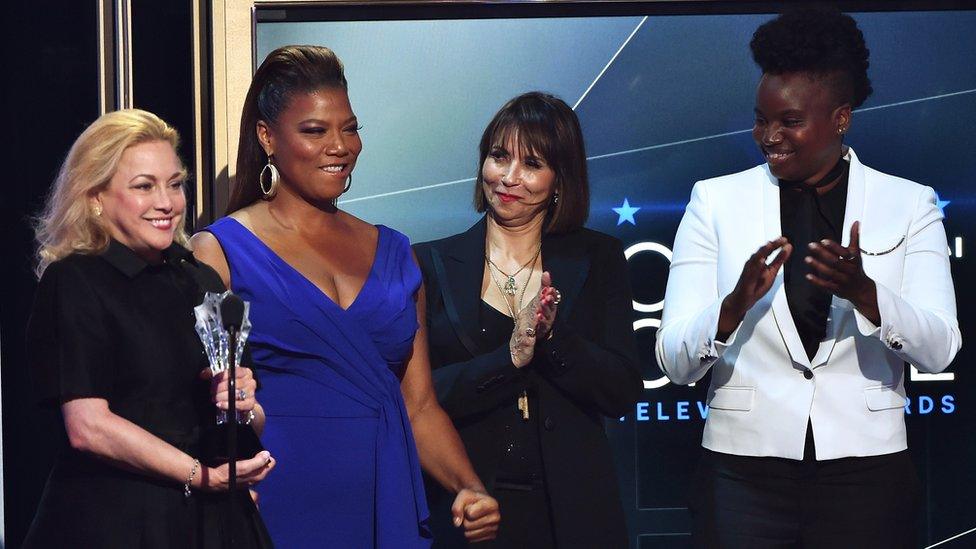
114,326
808,217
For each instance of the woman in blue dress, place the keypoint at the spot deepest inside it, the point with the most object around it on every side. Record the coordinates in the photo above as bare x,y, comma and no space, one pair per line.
342,355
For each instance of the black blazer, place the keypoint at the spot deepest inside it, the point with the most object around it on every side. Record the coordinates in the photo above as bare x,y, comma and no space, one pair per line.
588,370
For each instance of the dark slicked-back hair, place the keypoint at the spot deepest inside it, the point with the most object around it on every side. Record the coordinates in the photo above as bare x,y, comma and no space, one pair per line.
286,71
545,126
822,42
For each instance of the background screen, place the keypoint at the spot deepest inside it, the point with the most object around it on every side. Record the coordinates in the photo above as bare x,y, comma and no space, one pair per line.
664,100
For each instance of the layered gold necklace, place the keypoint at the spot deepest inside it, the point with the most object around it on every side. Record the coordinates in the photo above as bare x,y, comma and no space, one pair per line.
511,288
508,293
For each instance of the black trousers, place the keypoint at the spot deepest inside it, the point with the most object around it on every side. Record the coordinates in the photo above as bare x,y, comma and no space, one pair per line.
766,503
526,521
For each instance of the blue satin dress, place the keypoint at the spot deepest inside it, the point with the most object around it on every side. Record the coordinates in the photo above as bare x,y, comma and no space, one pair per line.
348,474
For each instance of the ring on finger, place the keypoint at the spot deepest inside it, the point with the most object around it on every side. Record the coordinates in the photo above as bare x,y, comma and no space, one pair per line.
241,394
559,297
530,332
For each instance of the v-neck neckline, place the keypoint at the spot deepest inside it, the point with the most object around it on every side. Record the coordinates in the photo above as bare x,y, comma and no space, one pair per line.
301,275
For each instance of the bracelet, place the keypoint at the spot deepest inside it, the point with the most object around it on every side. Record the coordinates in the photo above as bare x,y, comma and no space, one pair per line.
189,479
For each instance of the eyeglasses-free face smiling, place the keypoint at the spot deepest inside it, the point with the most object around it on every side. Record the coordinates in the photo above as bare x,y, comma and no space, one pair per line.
799,126
144,201
315,143
517,184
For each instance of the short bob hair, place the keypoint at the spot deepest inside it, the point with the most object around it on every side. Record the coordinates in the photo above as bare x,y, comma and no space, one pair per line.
545,126
67,225
285,72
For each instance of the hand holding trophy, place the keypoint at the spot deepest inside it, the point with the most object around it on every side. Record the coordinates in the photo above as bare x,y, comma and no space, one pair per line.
223,326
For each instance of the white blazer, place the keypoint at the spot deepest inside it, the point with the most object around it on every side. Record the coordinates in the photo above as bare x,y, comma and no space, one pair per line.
759,398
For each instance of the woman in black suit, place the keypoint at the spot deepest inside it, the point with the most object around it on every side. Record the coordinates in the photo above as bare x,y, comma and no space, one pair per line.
527,371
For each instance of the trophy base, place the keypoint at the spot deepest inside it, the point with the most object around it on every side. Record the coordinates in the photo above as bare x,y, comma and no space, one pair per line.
213,444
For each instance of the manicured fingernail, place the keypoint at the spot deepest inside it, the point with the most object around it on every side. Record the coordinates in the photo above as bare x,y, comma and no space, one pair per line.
812,245
809,277
807,259
824,242
457,521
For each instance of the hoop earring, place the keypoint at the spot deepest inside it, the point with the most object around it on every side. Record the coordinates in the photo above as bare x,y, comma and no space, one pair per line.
272,189
335,201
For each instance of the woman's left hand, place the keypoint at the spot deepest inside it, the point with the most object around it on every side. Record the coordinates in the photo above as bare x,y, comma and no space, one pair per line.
478,513
545,314
839,270
246,385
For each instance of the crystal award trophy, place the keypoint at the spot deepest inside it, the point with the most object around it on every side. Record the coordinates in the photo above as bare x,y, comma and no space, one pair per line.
221,347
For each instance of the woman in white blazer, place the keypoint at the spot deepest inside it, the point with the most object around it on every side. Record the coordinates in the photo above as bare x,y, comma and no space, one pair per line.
807,336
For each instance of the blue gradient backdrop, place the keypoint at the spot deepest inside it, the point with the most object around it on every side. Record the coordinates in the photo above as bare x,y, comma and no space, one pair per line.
675,106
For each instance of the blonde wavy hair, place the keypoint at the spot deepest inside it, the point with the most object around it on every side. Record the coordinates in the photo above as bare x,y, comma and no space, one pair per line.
67,224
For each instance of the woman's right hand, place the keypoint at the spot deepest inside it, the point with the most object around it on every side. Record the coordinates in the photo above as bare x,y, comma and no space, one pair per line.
249,472
756,279
522,343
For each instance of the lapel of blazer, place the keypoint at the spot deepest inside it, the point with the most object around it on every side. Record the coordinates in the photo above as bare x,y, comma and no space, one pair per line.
841,309
568,265
781,310
460,269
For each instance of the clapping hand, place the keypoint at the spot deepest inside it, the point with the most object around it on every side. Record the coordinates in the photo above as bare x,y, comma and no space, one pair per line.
756,279
840,271
535,321
547,304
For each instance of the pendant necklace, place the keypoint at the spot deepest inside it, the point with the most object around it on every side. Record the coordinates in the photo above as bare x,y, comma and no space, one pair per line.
511,287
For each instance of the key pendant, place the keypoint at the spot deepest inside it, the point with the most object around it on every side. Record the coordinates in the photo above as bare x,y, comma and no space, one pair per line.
523,405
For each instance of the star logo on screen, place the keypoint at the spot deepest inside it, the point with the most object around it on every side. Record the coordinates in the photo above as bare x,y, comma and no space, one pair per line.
626,213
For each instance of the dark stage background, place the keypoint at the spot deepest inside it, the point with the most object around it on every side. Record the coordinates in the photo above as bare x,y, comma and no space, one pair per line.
664,91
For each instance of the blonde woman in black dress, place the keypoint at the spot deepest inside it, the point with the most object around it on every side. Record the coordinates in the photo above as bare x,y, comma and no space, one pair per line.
111,341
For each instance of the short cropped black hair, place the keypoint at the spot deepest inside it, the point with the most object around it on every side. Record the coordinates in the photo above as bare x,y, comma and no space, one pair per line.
822,42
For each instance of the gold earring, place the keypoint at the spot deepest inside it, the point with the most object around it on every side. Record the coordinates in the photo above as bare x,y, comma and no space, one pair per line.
97,210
